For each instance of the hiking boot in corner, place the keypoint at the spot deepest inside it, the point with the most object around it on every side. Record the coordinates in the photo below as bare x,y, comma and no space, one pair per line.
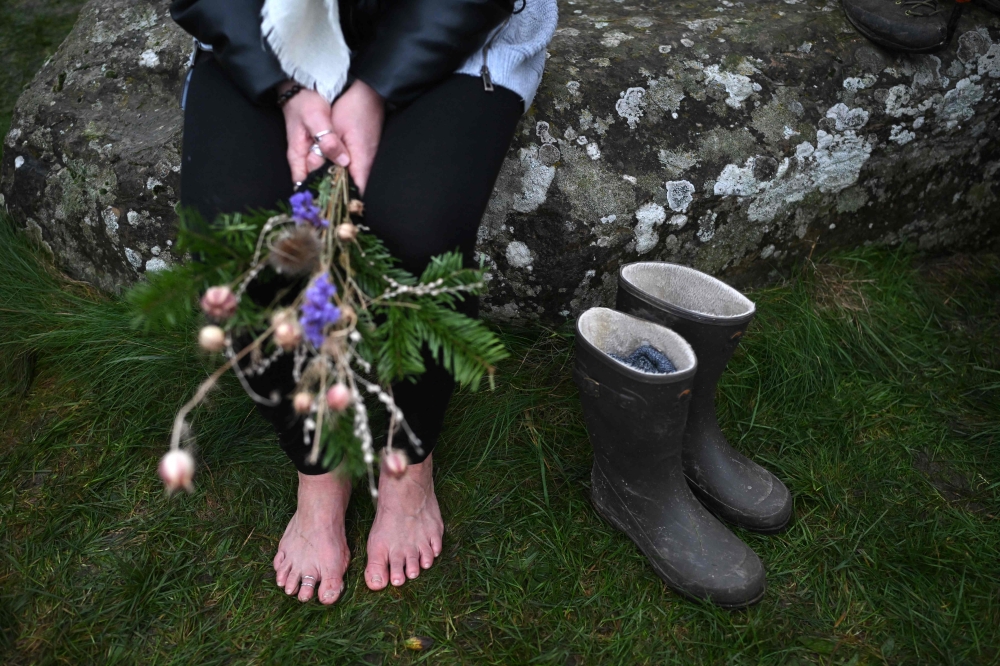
909,26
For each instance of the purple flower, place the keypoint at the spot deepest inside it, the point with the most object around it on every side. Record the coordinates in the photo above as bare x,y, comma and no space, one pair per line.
305,211
317,310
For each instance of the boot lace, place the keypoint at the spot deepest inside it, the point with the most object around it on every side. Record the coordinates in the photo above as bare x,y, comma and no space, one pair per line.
920,8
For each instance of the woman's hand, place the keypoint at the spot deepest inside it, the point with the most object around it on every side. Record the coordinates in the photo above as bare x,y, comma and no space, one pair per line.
307,114
357,120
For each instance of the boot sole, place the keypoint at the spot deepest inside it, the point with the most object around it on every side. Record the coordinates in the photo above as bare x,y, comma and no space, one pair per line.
618,525
702,495
898,48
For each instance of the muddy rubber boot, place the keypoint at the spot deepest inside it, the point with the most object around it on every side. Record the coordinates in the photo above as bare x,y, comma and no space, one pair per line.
636,423
712,317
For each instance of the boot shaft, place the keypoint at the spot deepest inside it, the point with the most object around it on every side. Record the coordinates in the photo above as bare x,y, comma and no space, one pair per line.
635,419
706,312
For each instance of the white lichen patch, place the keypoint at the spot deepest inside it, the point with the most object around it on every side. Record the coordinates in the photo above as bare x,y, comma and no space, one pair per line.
738,86
959,102
156,264
614,38
900,135
648,216
666,94
593,151
988,64
706,227
518,255
110,218
829,166
12,136
854,83
534,183
679,195
738,181
845,118
18,162
631,105
133,257
676,162
149,58
678,221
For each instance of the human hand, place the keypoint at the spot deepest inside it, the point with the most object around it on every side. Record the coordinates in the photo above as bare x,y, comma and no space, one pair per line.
357,120
307,114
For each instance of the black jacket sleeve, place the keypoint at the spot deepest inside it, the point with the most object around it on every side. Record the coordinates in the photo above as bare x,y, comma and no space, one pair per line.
232,28
419,42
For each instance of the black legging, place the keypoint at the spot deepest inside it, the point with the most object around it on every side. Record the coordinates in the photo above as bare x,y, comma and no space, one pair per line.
432,177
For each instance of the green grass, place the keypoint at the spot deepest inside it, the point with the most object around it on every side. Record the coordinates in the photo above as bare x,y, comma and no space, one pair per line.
869,385
30,32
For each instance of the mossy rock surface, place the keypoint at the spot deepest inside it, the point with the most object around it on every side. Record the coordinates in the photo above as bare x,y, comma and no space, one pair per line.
734,137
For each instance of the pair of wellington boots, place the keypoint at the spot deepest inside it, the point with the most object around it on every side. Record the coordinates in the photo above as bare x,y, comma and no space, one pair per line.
663,472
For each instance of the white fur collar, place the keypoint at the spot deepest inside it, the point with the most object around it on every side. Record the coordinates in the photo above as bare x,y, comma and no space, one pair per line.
305,36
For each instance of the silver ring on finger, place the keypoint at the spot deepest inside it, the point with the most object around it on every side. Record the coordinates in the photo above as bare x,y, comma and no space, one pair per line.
316,150
320,135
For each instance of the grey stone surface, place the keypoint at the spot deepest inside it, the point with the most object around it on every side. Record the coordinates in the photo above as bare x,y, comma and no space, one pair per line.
92,160
737,137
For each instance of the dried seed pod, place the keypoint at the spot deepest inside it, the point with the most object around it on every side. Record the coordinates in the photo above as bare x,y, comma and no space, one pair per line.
219,303
212,338
347,232
356,207
302,402
295,252
338,397
395,462
177,470
288,334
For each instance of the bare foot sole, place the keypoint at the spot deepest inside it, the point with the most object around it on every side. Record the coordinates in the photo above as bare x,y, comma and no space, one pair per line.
313,554
406,535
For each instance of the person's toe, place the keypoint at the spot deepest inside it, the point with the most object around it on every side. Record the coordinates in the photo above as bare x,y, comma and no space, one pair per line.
330,588
377,571
308,586
283,572
426,555
397,568
413,564
436,544
292,582
279,557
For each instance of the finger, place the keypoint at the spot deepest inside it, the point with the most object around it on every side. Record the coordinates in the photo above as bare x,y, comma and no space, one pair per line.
334,150
331,145
298,148
314,161
361,163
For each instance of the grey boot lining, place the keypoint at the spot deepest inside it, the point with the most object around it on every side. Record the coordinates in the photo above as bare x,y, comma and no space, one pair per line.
689,289
613,332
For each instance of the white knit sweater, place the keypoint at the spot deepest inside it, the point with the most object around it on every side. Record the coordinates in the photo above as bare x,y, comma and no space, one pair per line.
516,54
306,38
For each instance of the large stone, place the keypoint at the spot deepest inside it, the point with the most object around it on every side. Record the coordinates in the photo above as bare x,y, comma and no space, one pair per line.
92,161
737,138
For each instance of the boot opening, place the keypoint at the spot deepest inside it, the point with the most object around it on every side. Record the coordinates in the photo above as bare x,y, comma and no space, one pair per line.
689,289
618,335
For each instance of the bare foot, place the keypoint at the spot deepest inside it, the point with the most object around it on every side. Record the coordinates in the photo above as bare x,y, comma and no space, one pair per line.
314,548
406,535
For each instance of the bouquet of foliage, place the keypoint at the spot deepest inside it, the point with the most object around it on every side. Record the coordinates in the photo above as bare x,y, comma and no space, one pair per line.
352,319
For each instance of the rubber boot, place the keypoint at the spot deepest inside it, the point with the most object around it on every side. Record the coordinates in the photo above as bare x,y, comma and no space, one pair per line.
636,425
712,317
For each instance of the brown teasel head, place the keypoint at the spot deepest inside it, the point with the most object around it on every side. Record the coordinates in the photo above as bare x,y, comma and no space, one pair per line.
295,252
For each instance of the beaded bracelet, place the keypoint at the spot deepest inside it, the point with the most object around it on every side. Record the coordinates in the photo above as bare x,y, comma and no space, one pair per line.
288,94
